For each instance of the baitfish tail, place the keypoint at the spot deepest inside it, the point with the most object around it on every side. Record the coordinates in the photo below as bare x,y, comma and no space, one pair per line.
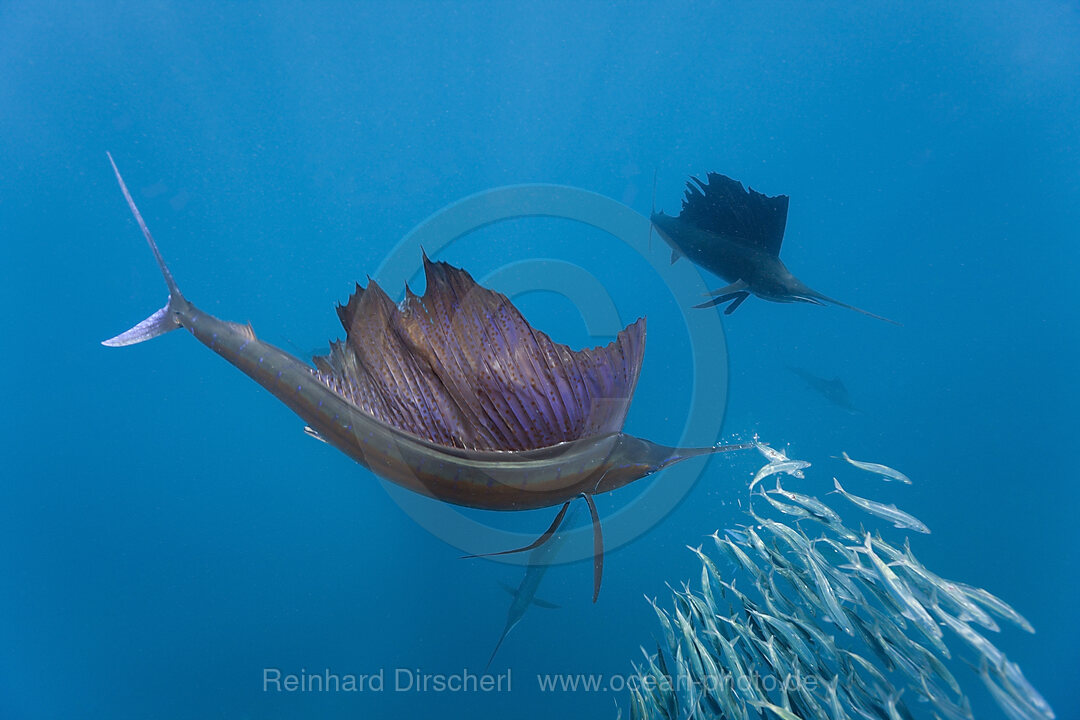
165,319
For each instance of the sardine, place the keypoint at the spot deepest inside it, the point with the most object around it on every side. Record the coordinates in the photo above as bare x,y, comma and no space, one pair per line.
816,508
897,517
995,605
898,590
883,470
791,467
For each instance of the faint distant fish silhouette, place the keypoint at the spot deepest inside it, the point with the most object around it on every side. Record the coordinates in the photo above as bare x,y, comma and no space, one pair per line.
832,390
540,560
737,234
451,394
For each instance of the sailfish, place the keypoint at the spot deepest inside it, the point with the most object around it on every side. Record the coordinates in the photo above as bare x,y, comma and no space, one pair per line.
450,394
736,234
540,561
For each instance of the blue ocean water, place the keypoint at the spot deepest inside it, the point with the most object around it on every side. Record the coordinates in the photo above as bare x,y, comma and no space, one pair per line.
167,533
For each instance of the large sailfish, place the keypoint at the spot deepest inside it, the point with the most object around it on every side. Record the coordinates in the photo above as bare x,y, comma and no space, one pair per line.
451,394
736,234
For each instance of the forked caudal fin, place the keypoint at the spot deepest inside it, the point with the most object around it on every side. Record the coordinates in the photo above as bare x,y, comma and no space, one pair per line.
164,320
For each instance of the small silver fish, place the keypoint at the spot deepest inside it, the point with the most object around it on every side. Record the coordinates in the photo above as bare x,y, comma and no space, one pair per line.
954,711
793,510
665,622
817,508
980,644
1017,685
736,553
945,590
782,713
912,609
836,710
897,517
1012,702
775,456
995,605
791,467
883,470
891,706
791,638
828,596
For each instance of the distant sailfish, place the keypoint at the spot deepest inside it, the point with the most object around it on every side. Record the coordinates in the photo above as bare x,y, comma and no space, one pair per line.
832,390
540,560
451,394
736,234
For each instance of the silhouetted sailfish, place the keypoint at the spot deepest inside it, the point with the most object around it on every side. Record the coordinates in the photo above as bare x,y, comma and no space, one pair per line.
540,560
451,394
736,234
832,390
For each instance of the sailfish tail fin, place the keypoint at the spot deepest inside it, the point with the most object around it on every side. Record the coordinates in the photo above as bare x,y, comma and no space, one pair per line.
164,320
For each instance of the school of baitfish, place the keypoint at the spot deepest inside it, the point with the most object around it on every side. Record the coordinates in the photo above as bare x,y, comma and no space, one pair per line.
819,620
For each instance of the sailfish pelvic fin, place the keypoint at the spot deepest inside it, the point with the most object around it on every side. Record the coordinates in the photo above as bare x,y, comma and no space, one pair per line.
598,546
535,543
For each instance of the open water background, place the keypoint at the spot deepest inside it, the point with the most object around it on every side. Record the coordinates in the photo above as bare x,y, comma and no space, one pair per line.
167,531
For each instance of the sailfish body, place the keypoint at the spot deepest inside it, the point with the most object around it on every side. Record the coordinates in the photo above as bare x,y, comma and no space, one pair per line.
832,390
737,233
450,394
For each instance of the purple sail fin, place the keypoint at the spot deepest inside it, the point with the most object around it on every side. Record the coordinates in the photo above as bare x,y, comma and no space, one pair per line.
460,366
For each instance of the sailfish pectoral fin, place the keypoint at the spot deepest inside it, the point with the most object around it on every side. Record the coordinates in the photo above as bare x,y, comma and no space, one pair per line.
736,291
598,546
736,297
736,303
546,604
733,288
536,543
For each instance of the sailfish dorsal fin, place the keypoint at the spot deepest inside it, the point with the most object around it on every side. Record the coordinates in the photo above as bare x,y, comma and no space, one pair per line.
461,367
721,206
